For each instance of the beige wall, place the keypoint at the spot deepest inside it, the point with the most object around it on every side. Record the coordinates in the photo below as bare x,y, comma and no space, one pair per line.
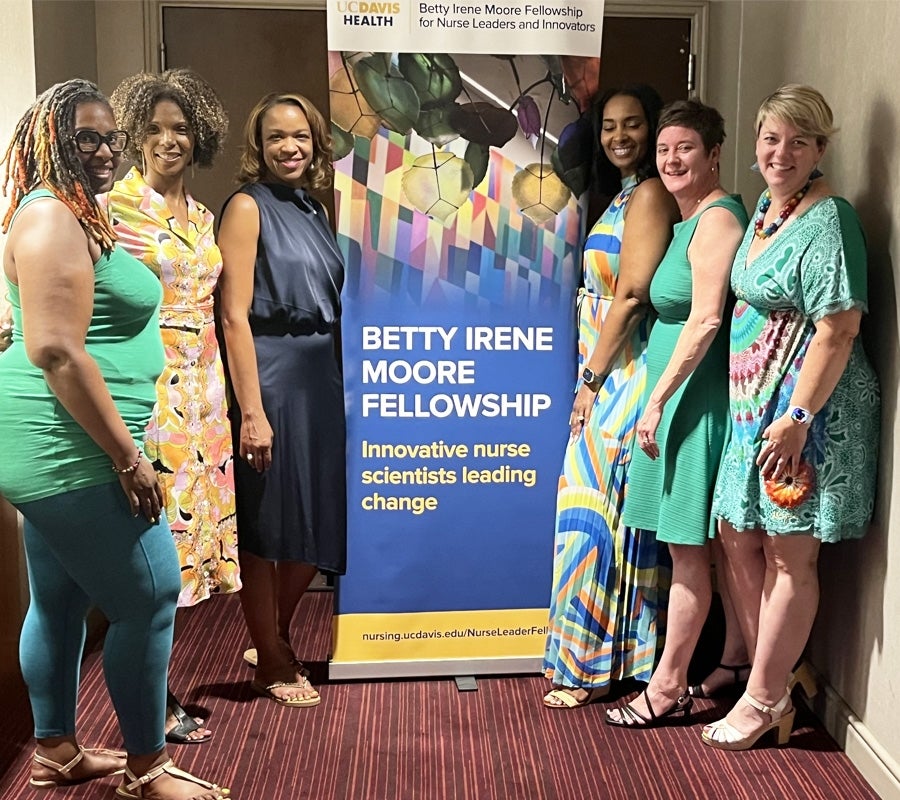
64,41
848,51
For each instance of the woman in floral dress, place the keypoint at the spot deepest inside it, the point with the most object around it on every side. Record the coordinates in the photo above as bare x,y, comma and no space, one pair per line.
800,466
175,120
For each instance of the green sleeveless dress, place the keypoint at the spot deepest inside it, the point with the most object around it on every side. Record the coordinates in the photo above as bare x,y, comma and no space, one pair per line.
672,495
43,450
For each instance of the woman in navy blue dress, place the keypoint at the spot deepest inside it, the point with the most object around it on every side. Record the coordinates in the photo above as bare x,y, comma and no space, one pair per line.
281,306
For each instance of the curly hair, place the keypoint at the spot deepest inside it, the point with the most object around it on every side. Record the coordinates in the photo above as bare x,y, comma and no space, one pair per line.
607,178
136,97
42,151
253,168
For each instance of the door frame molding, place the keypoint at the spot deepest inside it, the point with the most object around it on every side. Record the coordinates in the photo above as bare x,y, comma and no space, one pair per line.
695,10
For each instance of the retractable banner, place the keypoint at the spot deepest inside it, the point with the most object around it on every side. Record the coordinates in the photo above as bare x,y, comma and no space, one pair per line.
461,154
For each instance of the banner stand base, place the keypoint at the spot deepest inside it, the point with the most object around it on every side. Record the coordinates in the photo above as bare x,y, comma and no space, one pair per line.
466,684
361,670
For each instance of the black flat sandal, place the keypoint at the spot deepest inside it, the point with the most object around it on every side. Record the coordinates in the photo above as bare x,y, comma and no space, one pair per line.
180,734
736,686
678,714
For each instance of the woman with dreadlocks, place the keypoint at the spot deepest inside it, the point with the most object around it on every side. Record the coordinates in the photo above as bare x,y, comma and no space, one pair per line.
175,120
78,384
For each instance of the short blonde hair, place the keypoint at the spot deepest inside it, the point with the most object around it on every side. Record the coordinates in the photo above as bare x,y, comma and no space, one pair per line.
253,168
801,106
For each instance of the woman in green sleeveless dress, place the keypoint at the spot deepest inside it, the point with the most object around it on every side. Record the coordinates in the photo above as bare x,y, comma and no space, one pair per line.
683,429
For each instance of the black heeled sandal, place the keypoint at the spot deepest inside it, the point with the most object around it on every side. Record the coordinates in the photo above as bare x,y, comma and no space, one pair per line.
678,714
736,686
180,734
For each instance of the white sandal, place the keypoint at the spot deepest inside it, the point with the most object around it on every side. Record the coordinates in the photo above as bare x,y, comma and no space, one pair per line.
126,790
724,736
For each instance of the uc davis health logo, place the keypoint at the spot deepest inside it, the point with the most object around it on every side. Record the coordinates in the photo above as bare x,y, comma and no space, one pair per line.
370,13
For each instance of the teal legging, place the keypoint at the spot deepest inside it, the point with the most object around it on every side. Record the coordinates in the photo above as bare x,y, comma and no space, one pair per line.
84,548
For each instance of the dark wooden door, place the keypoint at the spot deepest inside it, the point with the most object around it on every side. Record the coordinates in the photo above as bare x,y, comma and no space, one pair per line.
651,50
245,53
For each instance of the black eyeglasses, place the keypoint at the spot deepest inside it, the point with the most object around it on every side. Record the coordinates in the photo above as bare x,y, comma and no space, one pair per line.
88,141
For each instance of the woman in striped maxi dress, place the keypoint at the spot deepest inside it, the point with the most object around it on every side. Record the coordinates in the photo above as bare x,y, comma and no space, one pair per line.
604,601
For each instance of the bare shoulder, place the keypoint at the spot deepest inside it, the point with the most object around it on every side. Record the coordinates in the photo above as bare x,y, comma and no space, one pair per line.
241,214
718,220
46,224
650,197
240,205
716,237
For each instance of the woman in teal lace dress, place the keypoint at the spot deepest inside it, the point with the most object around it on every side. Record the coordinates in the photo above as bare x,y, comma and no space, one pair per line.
800,465
604,600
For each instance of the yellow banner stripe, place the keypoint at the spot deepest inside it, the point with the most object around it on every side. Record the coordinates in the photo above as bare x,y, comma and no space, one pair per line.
503,633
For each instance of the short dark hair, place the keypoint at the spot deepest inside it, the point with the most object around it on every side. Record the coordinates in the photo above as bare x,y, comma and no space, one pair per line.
253,169
135,98
607,178
697,116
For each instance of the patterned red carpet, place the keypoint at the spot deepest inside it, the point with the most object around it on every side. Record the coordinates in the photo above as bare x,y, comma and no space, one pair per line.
423,740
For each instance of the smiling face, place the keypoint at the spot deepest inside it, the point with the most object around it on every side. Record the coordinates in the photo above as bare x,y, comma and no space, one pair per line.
625,134
287,144
786,157
168,144
100,165
683,162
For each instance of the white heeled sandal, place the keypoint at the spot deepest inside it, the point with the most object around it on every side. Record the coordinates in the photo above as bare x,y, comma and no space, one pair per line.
724,736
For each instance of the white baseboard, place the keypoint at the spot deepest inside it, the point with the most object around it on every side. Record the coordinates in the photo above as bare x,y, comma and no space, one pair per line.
876,765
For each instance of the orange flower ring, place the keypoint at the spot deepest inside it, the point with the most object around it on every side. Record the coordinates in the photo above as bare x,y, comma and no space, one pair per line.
790,490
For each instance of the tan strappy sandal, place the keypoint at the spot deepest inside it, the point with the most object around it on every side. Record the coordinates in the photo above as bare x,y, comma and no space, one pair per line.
63,772
134,789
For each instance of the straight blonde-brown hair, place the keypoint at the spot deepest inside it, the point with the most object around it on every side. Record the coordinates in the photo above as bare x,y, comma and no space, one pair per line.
801,106
253,168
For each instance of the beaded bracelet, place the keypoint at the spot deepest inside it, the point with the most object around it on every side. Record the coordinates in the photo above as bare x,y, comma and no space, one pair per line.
132,468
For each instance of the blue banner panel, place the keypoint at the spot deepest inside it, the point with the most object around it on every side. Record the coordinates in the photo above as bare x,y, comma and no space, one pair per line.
462,237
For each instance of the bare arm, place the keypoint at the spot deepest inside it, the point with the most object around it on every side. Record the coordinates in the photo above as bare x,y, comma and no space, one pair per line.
54,269
710,254
826,359
238,235
650,214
